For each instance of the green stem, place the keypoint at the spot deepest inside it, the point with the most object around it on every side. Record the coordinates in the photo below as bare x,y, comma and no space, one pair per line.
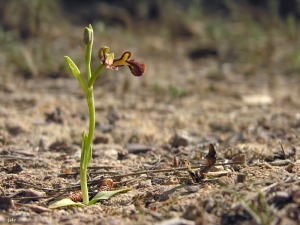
91,106
83,183
87,146
95,75
88,56
87,140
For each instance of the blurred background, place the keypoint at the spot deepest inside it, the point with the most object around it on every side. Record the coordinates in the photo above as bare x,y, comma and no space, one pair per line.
181,42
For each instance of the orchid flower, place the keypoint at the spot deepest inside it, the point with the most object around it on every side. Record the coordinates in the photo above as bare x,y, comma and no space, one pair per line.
136,68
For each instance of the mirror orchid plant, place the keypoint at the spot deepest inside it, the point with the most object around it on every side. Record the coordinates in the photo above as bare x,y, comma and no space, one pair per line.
107,61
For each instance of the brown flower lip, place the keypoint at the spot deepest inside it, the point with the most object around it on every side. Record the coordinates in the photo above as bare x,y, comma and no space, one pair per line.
136,68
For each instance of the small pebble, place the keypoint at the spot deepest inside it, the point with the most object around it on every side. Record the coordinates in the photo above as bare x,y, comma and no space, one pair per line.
14,129
241,177
290,167
156,180
16,168
209,205
102,139
281,197
296,195
176,221
113,116
5,203
38,209
138,148
239,159
171,180
179,139
217,168
280,162
56,116
144,184
192,189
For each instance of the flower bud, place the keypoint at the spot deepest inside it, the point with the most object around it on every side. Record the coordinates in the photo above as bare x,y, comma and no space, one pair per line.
87,35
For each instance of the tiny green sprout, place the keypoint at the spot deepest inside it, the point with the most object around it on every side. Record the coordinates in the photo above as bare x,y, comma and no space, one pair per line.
109,62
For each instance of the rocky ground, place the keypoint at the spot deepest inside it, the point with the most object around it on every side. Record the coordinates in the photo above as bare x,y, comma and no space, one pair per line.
147,128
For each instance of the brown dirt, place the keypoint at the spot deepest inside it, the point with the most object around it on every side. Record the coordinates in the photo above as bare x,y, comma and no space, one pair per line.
42,120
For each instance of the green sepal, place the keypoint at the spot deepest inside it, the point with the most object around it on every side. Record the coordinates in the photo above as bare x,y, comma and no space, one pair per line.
64,203
104,195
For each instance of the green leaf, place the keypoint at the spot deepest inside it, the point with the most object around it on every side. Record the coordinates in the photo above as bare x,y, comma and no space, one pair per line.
63,203
103,195
73,67
76,73
88,156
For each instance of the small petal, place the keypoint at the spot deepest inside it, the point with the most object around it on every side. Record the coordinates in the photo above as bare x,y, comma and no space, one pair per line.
102,54
109,59
136,68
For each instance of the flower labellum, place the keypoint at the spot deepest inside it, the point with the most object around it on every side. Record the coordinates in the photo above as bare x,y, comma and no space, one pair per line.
136,68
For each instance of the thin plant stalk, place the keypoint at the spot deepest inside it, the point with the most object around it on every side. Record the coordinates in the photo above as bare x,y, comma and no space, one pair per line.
86,152
95,75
